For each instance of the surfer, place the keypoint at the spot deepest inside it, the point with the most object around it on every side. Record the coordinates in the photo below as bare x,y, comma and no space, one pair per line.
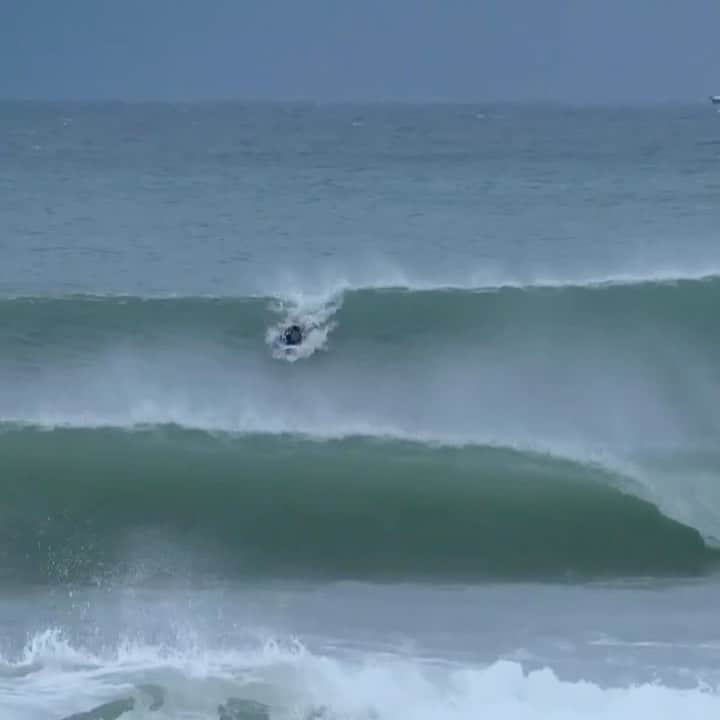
292,335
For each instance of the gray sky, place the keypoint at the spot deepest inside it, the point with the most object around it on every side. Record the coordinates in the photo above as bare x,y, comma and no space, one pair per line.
346,50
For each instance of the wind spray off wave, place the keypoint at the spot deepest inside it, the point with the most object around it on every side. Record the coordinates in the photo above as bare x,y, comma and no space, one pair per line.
624,375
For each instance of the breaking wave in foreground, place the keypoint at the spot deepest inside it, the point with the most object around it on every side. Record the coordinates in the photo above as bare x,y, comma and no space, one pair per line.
284,680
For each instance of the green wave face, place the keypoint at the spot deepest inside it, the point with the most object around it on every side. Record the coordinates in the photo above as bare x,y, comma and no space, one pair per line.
78,504
669,309
629,370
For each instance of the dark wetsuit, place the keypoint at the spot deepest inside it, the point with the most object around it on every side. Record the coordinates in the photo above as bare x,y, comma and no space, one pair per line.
293,335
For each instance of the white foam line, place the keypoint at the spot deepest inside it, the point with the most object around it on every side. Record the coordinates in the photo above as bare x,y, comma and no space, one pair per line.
593,458
353,430
366,685
305,297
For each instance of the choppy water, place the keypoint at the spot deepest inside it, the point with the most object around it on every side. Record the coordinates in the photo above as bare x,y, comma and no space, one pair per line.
509,374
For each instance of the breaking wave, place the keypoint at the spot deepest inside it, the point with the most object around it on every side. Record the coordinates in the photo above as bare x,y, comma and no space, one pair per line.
284,679
578,426
84,503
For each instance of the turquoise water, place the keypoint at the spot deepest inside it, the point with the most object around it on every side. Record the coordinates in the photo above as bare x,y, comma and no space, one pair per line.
489,472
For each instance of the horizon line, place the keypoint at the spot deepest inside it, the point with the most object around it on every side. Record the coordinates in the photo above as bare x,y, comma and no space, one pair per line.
367,102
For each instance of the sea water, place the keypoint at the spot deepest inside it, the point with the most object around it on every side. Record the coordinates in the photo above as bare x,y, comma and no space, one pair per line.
485,485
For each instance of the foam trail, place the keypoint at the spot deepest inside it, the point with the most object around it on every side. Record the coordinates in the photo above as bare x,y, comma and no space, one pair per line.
295,682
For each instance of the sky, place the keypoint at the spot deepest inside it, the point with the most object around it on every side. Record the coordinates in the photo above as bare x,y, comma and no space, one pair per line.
575,51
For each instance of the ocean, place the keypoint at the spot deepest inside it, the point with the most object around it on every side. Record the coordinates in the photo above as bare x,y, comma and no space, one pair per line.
485,485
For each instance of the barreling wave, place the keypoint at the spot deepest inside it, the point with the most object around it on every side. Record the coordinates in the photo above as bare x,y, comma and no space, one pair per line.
83,503
618,371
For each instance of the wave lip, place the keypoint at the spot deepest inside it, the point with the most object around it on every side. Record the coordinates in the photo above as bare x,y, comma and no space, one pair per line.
291,291
82,503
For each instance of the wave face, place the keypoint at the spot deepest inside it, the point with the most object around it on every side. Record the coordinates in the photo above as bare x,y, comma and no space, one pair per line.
79,503
185,414
667,308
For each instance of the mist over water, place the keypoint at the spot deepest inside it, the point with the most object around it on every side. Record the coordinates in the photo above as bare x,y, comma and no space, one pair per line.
619,375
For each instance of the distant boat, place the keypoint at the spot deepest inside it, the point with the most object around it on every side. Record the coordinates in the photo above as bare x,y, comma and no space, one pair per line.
715,99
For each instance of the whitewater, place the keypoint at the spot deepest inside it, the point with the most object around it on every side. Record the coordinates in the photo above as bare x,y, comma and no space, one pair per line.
486,483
